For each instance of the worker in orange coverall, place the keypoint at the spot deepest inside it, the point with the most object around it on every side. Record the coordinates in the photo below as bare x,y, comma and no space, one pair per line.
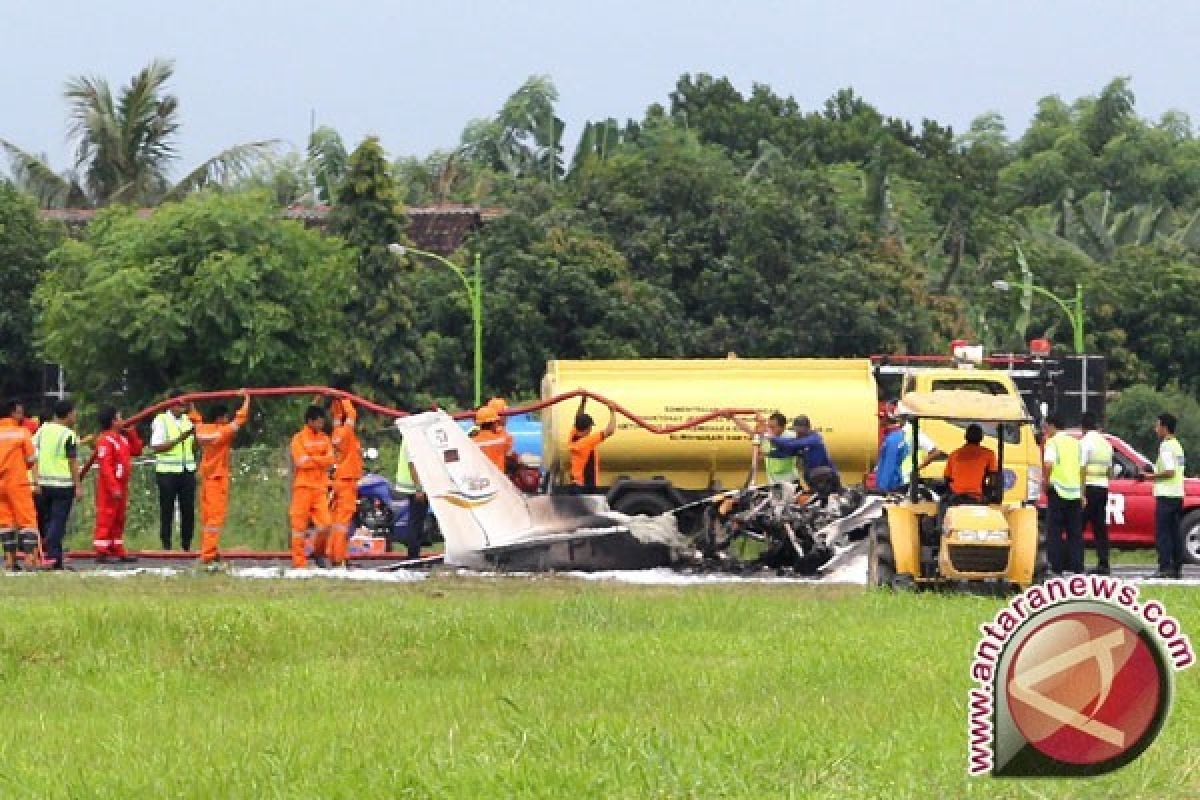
216,439
490,436
312,457
116,447
18,476
349,468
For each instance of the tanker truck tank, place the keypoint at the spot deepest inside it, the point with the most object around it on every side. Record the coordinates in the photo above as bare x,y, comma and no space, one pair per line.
646,473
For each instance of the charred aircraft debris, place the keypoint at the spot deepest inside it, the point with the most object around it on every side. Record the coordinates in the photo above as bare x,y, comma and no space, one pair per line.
488,524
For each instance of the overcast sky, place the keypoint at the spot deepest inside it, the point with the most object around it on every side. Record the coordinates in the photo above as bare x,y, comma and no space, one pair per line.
415,72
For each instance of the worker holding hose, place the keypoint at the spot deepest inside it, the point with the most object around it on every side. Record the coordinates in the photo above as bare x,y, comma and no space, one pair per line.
808,448
216,438
582,445
312,456
347,472
780,467
175,471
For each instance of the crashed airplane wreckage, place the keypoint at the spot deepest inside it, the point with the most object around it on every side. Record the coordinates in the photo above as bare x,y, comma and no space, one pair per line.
487,523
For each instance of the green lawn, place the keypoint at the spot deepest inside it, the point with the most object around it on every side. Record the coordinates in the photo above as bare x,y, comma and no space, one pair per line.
213,687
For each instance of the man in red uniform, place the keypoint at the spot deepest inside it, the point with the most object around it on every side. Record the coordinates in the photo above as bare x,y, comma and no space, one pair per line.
312,456
215,438
115,449
18,476
348,469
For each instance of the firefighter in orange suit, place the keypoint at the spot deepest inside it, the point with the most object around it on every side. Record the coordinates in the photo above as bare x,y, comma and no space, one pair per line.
312,457
490,436
18,476
215,438
349,468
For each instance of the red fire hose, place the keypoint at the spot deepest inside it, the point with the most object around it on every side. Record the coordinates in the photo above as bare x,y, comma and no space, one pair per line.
286,391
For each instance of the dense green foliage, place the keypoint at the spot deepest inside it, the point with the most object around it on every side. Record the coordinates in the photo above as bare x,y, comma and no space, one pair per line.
24,244
768,230
377,349
724,221
1133,414
210,292
202,686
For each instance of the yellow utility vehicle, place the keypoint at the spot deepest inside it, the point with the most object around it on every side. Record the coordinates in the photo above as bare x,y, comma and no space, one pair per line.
921,542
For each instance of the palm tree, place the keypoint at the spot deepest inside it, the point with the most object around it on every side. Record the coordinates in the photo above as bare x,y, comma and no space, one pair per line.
125,147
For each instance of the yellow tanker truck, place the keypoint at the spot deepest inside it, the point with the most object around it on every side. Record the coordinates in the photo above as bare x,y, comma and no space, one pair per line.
647,473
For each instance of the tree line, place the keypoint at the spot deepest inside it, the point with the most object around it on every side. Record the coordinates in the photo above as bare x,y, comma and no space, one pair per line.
718,222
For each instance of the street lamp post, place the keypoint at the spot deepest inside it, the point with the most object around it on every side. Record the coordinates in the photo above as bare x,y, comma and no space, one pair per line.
1075,315
474,287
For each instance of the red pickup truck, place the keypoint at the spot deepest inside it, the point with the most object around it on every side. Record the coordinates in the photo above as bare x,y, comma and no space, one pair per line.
1131,504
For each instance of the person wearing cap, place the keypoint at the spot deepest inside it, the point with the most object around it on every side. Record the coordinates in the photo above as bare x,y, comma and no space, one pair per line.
808,446
582,445
490,437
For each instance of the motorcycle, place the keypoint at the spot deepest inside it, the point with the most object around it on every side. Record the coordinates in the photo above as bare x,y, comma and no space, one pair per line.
382,511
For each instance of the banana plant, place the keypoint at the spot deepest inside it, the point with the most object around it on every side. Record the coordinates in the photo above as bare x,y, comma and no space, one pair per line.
1020,324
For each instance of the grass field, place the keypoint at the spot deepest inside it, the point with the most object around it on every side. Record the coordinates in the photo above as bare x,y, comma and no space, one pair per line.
212,687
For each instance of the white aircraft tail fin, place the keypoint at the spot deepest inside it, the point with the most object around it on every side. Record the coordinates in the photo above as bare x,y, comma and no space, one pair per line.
476,505
487,522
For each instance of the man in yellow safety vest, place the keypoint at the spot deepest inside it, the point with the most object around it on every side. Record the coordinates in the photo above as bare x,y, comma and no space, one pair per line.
1096,455
1168,474
409,485
58,478
1064,494
172,438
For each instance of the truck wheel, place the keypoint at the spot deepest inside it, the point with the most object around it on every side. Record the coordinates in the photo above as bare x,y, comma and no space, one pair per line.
881,561
1191,538
643,503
